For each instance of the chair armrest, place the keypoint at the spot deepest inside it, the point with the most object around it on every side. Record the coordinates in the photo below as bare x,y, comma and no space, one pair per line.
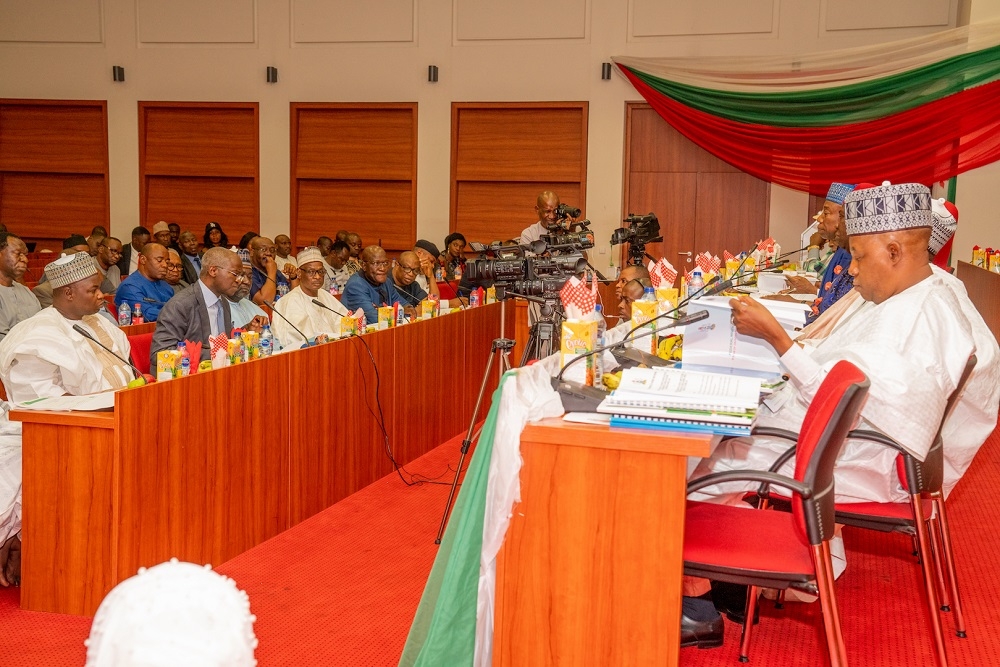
772,432
751,476
880,438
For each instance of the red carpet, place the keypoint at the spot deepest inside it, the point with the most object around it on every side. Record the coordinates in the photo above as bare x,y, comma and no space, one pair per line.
341,588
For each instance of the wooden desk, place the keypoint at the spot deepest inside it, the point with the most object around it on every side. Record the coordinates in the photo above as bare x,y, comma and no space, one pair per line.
984,291
590,569
206,467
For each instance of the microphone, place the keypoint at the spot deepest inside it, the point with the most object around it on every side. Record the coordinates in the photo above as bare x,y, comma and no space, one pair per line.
86,334
789,254
270,304
676,322
734,281
147,299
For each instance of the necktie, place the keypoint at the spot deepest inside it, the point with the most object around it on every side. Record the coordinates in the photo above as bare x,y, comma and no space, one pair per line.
219,318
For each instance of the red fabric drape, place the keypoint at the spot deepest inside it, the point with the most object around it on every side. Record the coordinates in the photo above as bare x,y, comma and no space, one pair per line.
929,143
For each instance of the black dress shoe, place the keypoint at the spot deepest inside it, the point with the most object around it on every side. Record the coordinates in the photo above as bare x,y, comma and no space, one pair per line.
731,600
703,634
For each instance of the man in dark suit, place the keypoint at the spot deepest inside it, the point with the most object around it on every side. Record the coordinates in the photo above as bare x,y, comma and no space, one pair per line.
190,261
129,261
202,309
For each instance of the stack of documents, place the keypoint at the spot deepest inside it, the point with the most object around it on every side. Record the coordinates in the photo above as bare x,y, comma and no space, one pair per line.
675,399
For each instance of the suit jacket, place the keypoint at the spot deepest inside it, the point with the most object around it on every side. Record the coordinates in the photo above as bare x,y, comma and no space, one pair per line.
190,273
185,317
125,259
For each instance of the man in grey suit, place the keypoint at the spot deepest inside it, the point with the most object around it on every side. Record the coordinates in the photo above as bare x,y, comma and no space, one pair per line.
202,309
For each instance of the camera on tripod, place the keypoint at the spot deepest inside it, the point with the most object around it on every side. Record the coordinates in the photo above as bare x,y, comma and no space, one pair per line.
642,229
512,273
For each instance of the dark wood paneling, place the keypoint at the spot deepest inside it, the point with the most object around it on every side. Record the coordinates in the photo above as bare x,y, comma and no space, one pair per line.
51,137
354,166
504,154
214,140
505,144
52,206
702,202
497,211
374,209
53,168
355,143
193,201
198,161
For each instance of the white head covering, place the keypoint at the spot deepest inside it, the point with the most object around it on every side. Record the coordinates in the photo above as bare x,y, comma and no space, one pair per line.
310,254
68,269
945,216
887,208
173,614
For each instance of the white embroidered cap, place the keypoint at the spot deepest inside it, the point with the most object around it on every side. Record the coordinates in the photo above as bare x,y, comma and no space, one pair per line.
945,222
310,254
68,269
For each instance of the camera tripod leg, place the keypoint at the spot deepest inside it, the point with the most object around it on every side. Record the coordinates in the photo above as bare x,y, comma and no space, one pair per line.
501,347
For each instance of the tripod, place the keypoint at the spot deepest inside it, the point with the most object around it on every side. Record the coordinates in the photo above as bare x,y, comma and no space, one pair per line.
543,336
502,346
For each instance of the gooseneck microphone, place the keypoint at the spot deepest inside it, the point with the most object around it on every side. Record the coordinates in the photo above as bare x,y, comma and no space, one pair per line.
676,322
270,304
86,334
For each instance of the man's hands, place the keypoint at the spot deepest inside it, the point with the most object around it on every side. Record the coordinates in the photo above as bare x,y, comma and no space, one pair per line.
290,271
801,285
753,319
257,323
427,266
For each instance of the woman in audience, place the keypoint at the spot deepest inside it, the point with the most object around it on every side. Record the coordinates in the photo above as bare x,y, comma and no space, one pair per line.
453,256
215,237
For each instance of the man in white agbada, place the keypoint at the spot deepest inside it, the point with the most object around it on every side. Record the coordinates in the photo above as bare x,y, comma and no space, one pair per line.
909,335
298,307
44,357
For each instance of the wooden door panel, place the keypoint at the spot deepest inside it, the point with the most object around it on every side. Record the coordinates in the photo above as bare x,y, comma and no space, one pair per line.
732,212
497,211
672,196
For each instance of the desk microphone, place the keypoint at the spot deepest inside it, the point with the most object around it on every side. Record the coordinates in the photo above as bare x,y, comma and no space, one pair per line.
86,334
734,281
147,299
270,304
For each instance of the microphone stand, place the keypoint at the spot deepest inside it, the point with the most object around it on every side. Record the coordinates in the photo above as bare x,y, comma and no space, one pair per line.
501,347
270,304
86,334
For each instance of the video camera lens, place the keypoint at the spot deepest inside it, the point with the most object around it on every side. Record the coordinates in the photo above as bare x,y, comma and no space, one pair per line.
567,211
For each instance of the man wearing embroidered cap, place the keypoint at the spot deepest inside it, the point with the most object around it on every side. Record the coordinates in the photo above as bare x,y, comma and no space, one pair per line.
44,356
836,280
297,306
908,333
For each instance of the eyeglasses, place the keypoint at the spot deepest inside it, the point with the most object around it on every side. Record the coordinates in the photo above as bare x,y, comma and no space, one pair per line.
412,271
313,272
379,265
238,276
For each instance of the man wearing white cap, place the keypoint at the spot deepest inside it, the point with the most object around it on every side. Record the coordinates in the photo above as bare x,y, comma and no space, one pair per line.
297,306
909,336
44,356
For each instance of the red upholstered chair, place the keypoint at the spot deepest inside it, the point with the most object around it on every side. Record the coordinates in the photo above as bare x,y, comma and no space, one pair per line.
141,344
924,517
762,548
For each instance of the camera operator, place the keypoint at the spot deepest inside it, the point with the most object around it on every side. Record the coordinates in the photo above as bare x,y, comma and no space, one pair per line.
549,222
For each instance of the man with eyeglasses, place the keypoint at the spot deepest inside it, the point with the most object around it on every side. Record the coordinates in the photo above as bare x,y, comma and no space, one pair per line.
175,271
404,278
298,308
267,282
370,288
109,251
201,310
245,313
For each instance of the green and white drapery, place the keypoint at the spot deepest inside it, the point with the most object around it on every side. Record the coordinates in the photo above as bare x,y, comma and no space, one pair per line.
922,109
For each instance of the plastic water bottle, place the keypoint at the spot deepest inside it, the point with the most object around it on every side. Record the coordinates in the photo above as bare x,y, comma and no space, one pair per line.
458,273
137,314
266,341
185,359
438,273
649,294
124,315
602,329
697,284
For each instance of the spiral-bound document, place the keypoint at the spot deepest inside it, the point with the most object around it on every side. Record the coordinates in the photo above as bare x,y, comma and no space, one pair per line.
683,390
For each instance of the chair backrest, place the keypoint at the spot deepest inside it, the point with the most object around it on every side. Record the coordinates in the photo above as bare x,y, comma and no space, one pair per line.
140,345
928,476
830,416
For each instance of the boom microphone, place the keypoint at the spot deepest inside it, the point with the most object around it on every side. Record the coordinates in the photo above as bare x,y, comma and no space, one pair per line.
86,334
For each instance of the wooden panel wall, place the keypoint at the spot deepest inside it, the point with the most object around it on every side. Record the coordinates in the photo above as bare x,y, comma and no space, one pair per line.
354,167
198,162
504,154
702,202
53,168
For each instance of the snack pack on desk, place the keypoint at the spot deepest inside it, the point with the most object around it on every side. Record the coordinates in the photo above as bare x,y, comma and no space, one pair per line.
579,329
